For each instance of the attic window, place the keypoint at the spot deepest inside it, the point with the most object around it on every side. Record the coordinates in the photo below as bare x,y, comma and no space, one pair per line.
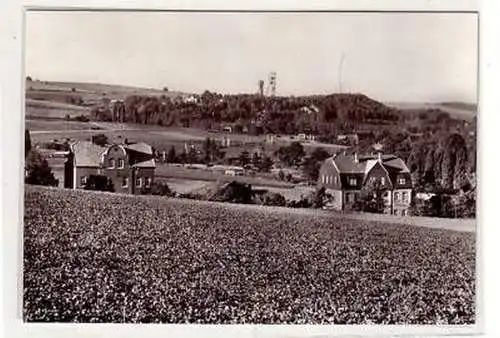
353,181
402,180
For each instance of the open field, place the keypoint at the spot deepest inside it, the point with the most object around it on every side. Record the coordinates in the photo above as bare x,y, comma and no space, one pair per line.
165,171
53,109
89,91
101,257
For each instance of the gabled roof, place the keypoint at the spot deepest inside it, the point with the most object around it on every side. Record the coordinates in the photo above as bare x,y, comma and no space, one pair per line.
140,147
346,164
145,164
398,164
87,154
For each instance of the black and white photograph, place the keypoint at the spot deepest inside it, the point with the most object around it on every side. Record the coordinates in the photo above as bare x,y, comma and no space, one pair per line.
250,167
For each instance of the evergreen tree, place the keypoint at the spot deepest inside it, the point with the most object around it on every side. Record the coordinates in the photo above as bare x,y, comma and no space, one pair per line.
39,171
171,155
27,143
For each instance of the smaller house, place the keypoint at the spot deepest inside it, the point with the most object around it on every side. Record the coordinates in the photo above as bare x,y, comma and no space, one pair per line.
225,142
129,167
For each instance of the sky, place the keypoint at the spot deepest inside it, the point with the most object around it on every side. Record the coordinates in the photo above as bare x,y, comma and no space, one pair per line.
391,57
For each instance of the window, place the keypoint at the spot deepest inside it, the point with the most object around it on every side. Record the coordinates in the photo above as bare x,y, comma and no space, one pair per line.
352,181
323,179
335,179
138,182
396,196
386,194
148,182
402,180
382,180
405,197
125,182
83,180
112,163
121,163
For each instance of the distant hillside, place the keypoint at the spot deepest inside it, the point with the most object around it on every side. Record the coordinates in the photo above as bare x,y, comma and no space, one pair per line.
49,99
58,91
461,110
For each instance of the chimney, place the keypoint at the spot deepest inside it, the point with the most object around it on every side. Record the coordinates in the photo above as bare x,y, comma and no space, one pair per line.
356,160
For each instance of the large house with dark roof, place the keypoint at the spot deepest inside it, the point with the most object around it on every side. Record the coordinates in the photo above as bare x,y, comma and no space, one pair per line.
130,167
344,175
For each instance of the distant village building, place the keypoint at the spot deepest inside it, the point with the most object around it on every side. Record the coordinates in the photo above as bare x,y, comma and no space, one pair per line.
310,109
349,138
227,129
188,147
303,137
270,138
425,196
343,177
130,167
226,142
191,99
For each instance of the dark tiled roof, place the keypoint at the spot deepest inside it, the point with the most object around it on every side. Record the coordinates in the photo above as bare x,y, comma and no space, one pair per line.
348,168
140,147
397,164
145,164
346,164
87,154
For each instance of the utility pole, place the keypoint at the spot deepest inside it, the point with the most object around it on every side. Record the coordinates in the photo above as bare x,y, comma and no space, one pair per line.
341,64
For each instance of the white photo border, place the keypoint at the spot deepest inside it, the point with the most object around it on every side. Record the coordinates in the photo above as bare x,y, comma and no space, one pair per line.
11,102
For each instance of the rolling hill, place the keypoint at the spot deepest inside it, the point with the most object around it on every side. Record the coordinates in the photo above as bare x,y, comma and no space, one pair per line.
460,110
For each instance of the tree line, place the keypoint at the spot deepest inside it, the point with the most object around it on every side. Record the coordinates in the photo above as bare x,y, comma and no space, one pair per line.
258,114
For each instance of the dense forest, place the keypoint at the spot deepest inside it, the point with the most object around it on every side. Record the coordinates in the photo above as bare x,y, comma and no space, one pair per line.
280,115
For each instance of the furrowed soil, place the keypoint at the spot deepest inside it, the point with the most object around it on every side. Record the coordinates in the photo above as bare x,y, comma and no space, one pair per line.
103,257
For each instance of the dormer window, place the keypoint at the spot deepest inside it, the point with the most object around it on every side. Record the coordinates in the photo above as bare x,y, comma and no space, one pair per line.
402,180
353,181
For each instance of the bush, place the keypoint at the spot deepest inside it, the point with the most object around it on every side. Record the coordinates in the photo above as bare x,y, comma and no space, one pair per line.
100,139
273,199
234,192
160,189
82,118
